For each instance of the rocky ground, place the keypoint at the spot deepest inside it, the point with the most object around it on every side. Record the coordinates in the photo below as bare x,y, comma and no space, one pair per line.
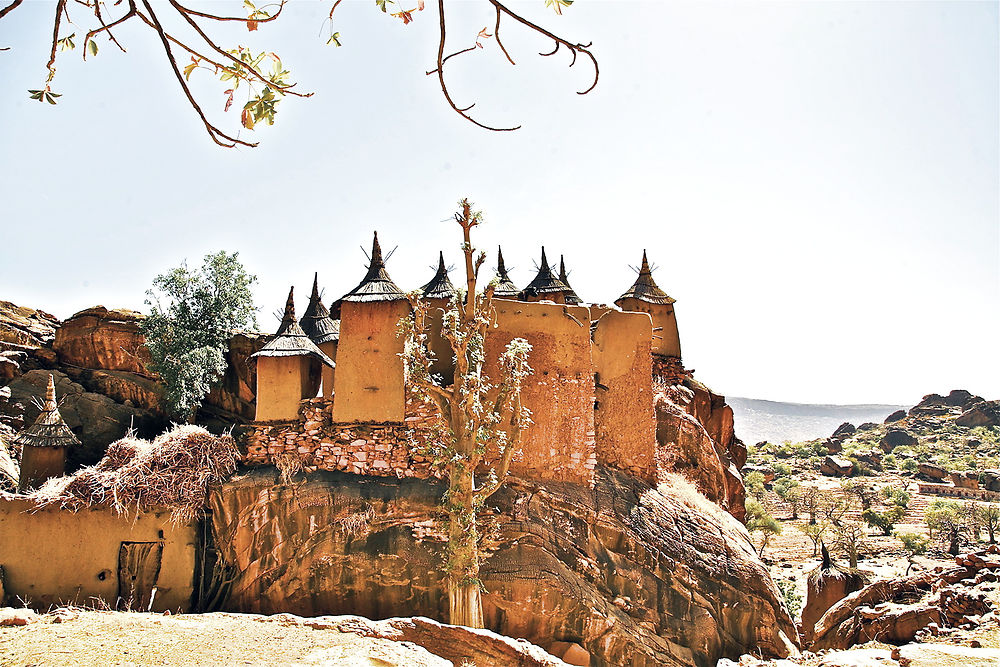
947,447
73,637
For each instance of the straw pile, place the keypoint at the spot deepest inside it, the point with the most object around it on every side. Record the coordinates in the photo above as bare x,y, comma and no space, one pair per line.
173,471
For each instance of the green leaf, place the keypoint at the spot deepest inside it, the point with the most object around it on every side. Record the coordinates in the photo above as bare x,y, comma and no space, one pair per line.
381,4
92,47
334,39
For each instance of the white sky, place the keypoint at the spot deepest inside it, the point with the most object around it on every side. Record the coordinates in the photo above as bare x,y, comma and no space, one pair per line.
817,182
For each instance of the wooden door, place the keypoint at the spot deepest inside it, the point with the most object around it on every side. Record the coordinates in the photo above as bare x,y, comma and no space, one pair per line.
138,570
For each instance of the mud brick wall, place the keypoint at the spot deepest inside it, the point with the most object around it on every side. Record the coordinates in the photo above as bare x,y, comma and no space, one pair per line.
670,370
317,442
560,393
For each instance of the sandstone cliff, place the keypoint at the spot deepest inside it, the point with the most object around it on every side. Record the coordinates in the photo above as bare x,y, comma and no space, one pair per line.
636,575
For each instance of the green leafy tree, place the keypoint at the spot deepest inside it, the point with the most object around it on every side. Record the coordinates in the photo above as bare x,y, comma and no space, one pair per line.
191,41
193,314
754,483
914,545
885,520
484,417
851,539
947,522
815,532
810,503
791,596
759,521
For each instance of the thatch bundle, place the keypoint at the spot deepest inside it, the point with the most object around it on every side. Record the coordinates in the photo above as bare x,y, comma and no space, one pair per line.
173,471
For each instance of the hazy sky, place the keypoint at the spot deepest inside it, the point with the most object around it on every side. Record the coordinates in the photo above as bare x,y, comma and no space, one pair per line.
817,182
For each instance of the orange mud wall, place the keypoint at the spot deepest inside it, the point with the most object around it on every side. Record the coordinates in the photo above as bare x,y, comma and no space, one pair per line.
281,383
40,463
328,348
444,357
368,386
52,556
624,417
559,445
666,341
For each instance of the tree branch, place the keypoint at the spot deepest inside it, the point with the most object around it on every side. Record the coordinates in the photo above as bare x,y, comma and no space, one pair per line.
216,17
9,8
93,33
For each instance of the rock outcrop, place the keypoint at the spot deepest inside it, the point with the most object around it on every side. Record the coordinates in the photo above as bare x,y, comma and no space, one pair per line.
695,438
984,413
827,585
634,575
99,338
836,466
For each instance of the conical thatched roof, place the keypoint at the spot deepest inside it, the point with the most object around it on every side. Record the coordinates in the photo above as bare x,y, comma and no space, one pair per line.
291,340
545,282
440,286
377,285
49,430
316,321
505,289
645,288
570,295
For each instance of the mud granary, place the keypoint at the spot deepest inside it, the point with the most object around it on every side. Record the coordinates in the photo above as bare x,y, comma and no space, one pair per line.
331,390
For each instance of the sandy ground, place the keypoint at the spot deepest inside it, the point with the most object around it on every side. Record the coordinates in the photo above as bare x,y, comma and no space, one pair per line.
74,637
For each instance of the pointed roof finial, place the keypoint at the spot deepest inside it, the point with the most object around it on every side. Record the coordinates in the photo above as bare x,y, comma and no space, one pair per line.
571,296
50,394
645,288
545,282
505,288
440,286
376,285
316,321
289,317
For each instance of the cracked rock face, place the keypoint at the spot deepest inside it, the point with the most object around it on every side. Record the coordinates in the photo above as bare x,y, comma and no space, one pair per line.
633,574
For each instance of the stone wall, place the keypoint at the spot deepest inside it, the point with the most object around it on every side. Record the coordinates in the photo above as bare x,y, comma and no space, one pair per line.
316,442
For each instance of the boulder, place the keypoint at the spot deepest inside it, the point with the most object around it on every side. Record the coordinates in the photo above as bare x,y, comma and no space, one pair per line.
961,398
895,417
991,479
871,457
10,364
635,575
895,437
236,392
827,585
844,431
766,471
25,328
836,466
867,426
968,479
984,413
833,446
932,472
109,340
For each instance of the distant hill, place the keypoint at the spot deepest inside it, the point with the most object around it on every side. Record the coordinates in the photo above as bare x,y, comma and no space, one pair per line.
758,420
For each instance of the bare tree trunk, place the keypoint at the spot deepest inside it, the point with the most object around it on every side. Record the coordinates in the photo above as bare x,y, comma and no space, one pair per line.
464,598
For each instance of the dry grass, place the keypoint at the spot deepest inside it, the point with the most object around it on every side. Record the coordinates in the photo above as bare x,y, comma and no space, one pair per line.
174,471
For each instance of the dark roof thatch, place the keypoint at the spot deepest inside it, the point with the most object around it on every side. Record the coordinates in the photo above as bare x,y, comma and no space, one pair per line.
291,340
440,286
505,289
645,288
545,282
377,285
571,296
316,321
49,430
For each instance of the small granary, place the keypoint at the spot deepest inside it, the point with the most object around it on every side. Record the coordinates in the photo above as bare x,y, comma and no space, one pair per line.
545,286
288,369
505,288
646,297
322,330
44,444
369,383
570,295
438,294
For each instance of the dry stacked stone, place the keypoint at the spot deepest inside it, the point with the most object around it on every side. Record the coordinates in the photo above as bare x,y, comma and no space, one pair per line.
386,450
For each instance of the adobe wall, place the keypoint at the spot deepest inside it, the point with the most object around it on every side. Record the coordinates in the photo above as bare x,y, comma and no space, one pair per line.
560,393
625,421
666,341
328,348
369,380
319,443
280,385
40,463
52,556
444,357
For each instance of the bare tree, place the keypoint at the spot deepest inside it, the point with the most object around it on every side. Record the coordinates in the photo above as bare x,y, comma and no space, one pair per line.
261,74
484,417
851,538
